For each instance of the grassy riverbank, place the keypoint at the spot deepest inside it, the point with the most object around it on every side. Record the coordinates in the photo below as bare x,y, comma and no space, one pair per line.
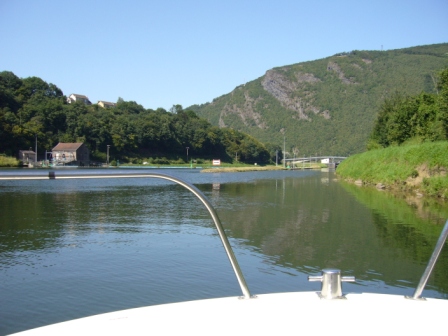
418,168
240,169
6,161
237,169
201,164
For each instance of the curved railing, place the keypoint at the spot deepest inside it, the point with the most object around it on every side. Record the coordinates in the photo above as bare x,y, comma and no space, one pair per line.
236,268
432,261
214,215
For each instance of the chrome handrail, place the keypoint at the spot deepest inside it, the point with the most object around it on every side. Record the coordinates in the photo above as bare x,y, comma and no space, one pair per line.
225,241
435,254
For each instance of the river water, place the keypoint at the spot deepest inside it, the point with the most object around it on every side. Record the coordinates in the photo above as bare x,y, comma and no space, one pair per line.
73,248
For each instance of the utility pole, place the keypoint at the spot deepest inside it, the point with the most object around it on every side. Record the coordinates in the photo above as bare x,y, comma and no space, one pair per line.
35,155
284,151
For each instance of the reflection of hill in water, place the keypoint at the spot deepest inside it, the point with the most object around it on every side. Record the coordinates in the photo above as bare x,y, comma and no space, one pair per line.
313,223
306,223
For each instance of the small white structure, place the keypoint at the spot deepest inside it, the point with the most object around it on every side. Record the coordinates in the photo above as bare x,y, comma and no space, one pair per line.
325,161
27,156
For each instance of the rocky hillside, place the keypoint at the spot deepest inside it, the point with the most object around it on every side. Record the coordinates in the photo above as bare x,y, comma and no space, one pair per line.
327,106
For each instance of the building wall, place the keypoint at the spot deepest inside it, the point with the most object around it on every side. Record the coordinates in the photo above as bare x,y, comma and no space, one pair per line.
27,156
64,156
80,156
74,98
83,154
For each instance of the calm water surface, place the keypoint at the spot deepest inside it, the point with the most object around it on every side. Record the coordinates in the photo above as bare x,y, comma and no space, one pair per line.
73,248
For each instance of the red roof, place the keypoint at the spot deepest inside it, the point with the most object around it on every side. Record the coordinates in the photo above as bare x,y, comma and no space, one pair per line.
69,146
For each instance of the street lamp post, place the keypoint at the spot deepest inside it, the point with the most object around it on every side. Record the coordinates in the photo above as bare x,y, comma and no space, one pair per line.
187,152
107,159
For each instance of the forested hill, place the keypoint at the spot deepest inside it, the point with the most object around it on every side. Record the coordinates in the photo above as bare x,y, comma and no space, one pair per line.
32,109
326,106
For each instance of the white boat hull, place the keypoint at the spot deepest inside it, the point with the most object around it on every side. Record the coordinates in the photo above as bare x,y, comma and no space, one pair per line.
269,314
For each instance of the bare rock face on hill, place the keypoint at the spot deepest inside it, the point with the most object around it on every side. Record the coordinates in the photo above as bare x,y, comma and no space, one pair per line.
333,66
328,105
285,91
247,112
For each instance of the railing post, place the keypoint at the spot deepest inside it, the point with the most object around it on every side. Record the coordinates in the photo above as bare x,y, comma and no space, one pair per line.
225,241
435,254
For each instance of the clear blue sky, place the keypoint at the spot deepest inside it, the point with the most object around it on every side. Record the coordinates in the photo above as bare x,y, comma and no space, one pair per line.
166,52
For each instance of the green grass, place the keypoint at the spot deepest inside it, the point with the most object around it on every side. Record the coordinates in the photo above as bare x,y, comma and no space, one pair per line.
164,162
6,161
393,166
236,169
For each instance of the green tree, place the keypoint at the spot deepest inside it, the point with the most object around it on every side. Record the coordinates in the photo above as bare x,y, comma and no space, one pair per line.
442,102
423,117
387,112
31,107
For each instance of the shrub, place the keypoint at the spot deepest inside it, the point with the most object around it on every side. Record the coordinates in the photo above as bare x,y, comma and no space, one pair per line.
6,161
162,160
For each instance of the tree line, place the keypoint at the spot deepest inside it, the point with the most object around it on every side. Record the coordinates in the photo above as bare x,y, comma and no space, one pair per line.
403,118
31,108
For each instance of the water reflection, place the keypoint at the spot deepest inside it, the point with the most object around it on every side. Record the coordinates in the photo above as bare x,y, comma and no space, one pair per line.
310,224
409,227
73,248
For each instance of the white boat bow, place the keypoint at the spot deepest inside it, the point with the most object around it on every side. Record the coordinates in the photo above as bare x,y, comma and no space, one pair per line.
268,314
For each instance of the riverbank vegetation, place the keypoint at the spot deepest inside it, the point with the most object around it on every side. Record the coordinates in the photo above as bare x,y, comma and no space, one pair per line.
420,168
240,169
199,163
408,145
32,109
422,117
7,161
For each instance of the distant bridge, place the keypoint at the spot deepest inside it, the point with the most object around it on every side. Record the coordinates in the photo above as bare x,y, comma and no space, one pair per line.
325,159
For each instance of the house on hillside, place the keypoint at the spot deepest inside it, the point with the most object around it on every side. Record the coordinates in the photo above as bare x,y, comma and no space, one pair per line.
73,154
105,104
78,98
